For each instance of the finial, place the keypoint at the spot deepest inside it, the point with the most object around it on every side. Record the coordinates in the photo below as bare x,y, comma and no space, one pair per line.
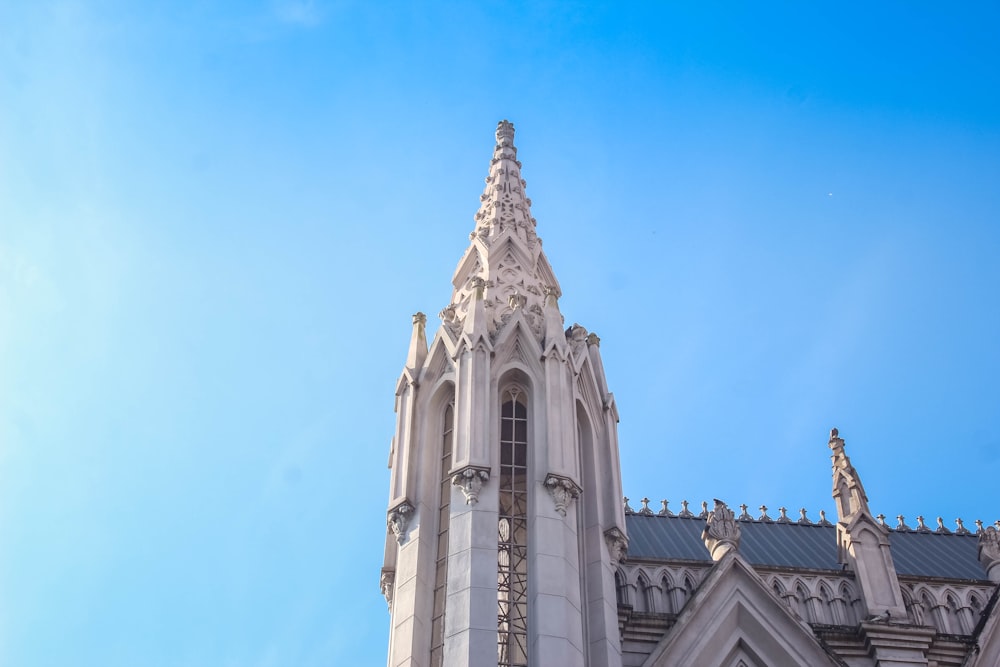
979,526
704,510
881,520
902,523
822,519
685,512
961,530
721,533
505,133
665,511
803,519
921,526
940,528
479,285
744,515
418,342
645,511
834,433
628,510
783,515
763,515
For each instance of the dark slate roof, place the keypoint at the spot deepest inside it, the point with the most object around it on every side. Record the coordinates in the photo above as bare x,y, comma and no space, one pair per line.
801,546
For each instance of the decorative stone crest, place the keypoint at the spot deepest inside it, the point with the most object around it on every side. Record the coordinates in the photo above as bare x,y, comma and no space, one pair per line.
563,491
471,480
398,520
665,511
617,544
722,532
516,301
386,583
989,551
645,511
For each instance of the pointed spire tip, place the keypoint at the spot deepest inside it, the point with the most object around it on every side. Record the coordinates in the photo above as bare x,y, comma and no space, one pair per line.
505,133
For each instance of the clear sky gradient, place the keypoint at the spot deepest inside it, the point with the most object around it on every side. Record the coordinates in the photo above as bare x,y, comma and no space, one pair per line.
217,218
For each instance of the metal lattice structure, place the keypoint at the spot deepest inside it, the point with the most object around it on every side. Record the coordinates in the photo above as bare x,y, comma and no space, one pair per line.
512,528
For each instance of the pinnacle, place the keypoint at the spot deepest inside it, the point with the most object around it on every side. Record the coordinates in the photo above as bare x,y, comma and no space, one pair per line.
504,205
504,251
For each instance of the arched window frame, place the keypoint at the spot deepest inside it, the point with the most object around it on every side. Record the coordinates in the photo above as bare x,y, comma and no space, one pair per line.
440,594
512,526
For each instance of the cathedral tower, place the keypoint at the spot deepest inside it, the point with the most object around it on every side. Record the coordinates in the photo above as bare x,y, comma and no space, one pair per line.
505,520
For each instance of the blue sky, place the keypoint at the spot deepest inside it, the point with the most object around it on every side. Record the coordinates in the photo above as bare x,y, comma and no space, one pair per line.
217,218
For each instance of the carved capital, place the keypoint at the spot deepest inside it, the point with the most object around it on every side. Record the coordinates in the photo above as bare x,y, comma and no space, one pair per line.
470,479
617,544
386,583
398,520
563,491
722,532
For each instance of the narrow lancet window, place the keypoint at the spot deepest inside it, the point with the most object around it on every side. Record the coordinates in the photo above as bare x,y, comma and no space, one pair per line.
512,556
441,567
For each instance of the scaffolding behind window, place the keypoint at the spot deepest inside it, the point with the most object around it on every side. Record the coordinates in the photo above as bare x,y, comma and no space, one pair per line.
512,533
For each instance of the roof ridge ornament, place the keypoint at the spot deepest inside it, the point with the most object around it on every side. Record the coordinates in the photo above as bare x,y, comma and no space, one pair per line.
666,510
722,532
685,512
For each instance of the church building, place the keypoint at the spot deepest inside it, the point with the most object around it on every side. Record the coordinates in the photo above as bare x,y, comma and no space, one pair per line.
509,543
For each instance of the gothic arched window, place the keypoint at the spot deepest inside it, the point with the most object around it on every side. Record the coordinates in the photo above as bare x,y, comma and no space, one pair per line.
444,517
512,532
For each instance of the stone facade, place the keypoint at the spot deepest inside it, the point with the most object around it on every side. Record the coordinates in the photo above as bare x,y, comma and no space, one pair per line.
507,542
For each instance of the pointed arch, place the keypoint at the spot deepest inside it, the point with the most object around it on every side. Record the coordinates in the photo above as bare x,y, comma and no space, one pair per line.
778,589
802,602
666,593
831,614
643,593
846,601
959,615
932,612
911,609
689,586
621,588
446,438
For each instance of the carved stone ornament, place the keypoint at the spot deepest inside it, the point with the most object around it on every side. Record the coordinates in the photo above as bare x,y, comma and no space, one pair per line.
617,544
471,480
722,532
563,491
386,583
989,551
398,520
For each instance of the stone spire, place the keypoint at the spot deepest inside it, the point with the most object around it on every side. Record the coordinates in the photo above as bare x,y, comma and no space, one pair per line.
847,489
863,543
504,252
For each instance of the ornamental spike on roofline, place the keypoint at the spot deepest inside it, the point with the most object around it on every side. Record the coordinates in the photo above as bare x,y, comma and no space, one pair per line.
505,253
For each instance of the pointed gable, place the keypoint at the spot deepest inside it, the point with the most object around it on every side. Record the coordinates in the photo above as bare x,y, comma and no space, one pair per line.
733,617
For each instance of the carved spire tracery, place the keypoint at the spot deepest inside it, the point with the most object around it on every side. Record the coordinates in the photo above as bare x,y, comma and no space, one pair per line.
505,253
